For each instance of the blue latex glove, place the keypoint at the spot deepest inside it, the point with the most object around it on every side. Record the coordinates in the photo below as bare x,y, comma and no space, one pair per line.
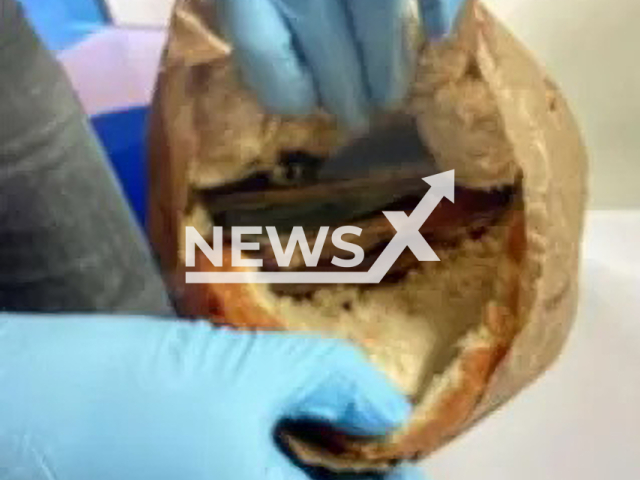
347,55
134,398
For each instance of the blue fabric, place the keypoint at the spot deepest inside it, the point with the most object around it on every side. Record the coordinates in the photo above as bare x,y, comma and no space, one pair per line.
123,135
62,23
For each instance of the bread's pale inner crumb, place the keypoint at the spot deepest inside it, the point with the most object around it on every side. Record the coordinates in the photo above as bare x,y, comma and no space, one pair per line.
409,329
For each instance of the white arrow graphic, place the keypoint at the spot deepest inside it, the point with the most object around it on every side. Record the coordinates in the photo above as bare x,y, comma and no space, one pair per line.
407,236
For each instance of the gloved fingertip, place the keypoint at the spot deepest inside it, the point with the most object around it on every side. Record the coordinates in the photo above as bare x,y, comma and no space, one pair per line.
391,413
282,88
437,28
406,471
288,104
381,32
389,84
352,119
390,94
439,16
265,53
344,389
376,406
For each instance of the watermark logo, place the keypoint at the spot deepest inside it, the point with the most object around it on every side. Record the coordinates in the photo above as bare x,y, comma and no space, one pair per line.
407,236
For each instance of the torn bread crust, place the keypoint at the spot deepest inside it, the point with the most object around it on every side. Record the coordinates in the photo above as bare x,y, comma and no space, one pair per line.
483,108
438,415
438,418
450,396
454,395
244,306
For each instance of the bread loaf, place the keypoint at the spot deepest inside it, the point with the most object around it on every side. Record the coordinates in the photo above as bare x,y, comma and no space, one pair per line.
460,336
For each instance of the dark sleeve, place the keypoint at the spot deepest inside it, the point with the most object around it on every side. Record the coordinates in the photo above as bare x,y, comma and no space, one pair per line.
68,241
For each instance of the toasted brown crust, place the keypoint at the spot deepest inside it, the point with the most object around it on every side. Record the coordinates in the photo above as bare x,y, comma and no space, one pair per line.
483,108
236,305
443,412
437,420
450,410
451,402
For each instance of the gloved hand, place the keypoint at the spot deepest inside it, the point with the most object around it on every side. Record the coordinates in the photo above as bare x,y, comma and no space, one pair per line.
134,398
347,55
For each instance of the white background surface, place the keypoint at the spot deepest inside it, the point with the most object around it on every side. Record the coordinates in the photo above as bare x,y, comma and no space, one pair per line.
581,420
131,52
148,13
590,47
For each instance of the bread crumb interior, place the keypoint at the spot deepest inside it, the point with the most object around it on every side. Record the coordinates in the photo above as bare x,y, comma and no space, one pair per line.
409,329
